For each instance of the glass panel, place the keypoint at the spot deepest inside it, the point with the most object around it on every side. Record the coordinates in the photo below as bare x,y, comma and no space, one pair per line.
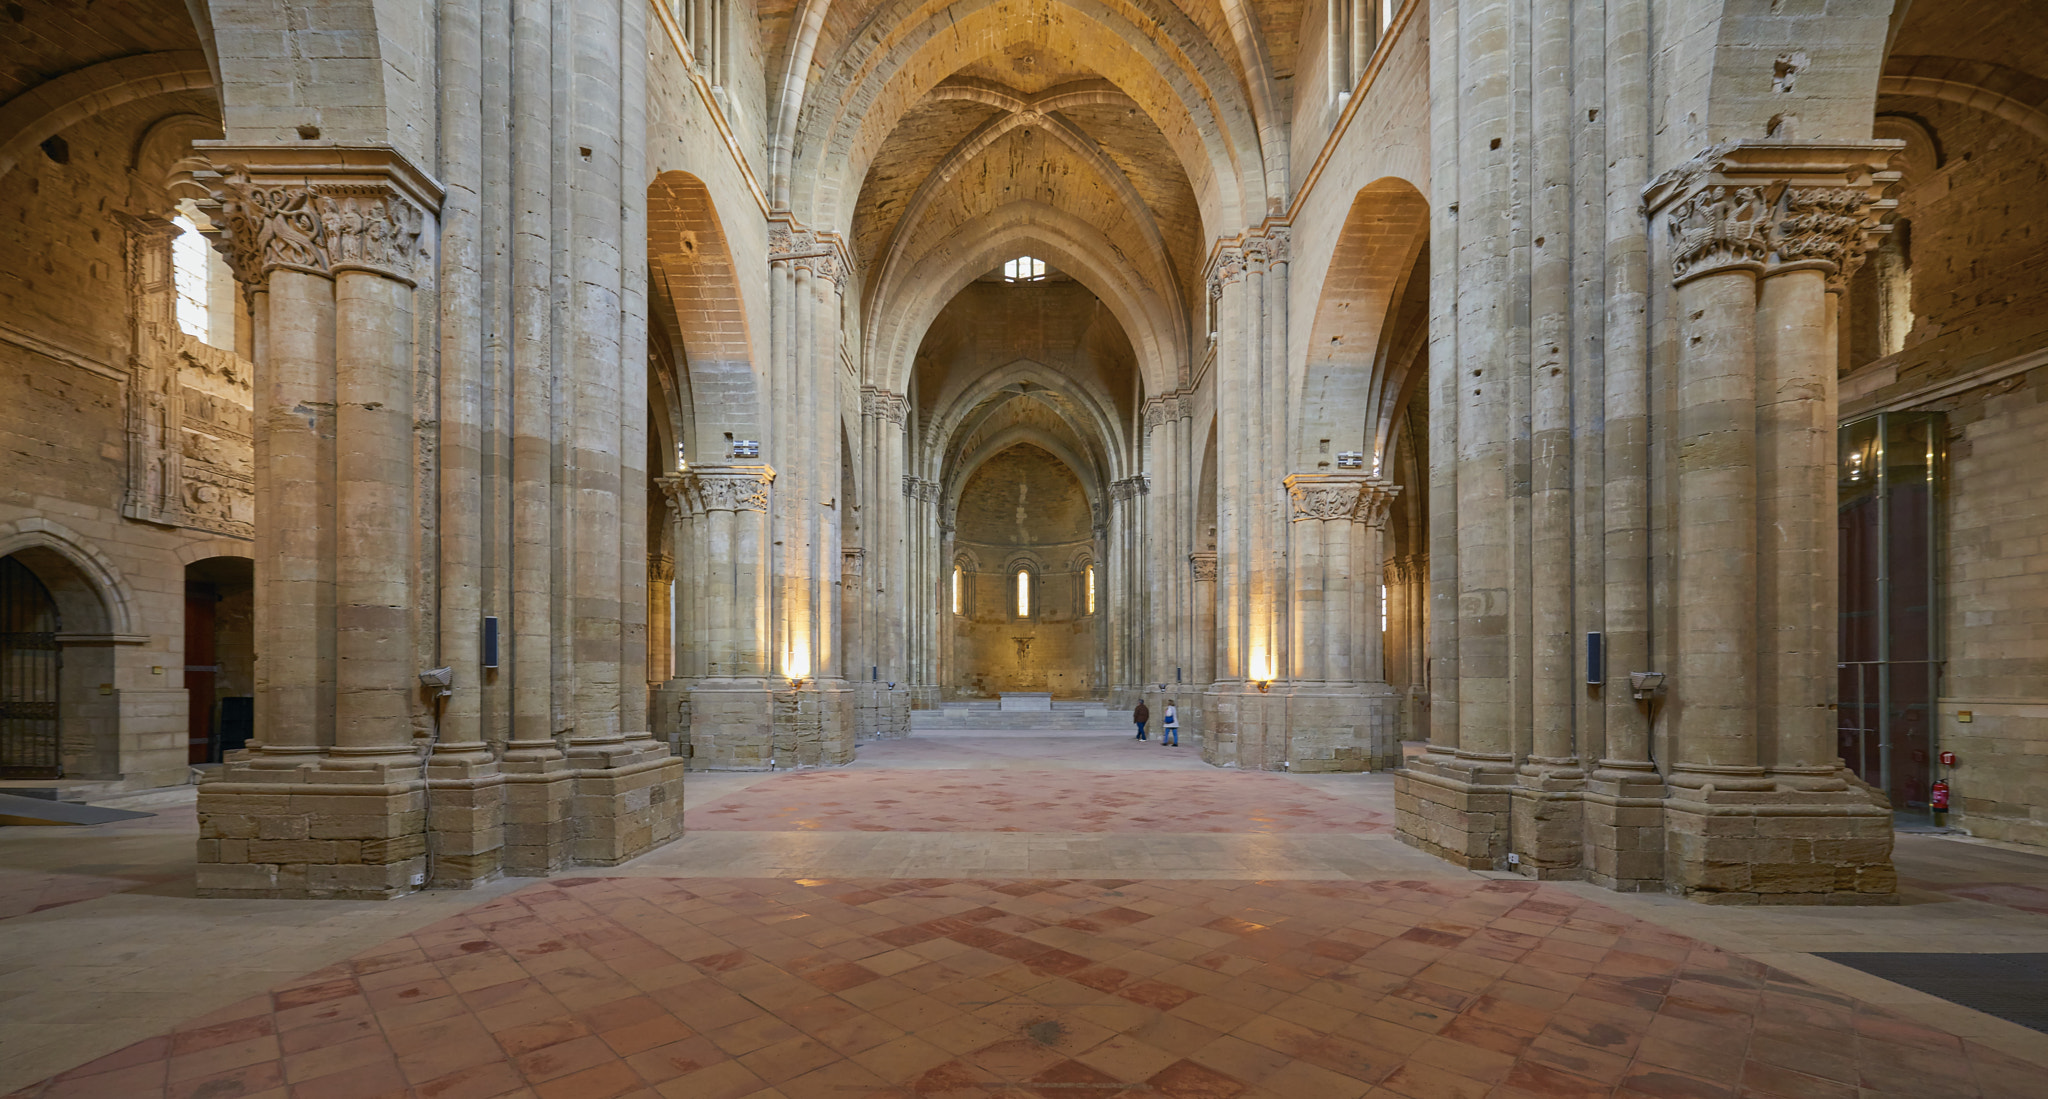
1023,594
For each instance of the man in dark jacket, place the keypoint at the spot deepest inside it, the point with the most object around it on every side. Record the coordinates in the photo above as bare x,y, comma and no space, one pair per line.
1141,715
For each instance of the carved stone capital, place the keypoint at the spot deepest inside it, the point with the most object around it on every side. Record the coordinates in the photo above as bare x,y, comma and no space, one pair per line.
1274,246
1717,229
1228,268
1348,497
1129,488
1771,207
1202,566
852,562
882,404
321,211
729,488
798,247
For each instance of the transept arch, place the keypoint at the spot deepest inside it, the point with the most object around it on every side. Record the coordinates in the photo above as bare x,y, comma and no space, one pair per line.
1075,246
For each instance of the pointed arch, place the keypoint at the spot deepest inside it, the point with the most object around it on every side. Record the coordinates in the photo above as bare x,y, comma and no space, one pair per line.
1352,368
700,316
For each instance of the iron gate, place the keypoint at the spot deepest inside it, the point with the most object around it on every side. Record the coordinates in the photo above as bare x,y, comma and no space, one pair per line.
29,660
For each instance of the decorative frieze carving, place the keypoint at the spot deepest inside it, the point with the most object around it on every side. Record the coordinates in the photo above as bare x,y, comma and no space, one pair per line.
852,562
318,228
1202,566
191,454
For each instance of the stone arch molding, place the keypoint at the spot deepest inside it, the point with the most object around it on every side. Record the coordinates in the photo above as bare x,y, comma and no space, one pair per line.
949,422
2014,96
826,134
909,305
50,108
116,609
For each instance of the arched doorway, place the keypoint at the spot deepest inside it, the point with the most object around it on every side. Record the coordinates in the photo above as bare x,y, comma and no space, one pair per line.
220,657
30,663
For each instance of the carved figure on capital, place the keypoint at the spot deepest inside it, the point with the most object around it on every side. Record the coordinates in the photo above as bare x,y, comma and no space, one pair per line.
1323,499
317,228
269,226
1375,499
1202,566
742,488
1718,228
1824,226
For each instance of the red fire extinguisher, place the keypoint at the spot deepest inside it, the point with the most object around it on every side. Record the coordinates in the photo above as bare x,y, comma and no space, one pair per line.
1937,798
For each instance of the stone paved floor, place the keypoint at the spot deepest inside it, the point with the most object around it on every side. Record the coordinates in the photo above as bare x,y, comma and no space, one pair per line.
1025,801
1101,957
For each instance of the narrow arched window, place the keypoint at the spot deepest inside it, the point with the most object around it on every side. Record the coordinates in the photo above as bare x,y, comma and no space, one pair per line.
1089,595
1023,593
189,279
956,589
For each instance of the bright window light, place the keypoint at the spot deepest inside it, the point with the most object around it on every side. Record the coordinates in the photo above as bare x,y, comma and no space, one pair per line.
1023,593
1383,608
956,589
188,276
1387,10
1090,581
1024,269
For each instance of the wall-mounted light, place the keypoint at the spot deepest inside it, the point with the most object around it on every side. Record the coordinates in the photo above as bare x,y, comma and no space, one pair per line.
1646,684
1351,459
745,448
1265,685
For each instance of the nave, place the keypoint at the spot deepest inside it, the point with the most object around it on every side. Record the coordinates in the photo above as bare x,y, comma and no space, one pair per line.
991,913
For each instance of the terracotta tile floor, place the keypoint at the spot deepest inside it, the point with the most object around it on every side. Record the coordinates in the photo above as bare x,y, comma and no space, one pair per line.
935,989
908,800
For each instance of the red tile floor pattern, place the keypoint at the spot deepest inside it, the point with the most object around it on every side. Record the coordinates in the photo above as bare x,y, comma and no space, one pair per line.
1024,801
949,989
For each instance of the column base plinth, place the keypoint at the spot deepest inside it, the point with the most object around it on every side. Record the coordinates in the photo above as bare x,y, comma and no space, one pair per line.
1459,810
1779,846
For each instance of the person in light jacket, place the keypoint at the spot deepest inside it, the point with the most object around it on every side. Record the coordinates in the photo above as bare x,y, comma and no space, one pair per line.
1140,716
1169,727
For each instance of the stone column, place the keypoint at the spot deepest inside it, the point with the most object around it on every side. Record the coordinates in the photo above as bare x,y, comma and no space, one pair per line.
1760,810
1247,726
333,803
1202,581
814,718
730,720
1341,712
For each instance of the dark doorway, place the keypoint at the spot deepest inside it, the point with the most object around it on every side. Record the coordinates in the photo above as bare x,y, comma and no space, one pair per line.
1889,484
30,662
219,655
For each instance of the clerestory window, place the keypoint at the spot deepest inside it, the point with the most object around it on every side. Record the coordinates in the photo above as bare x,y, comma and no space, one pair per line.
1024,269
